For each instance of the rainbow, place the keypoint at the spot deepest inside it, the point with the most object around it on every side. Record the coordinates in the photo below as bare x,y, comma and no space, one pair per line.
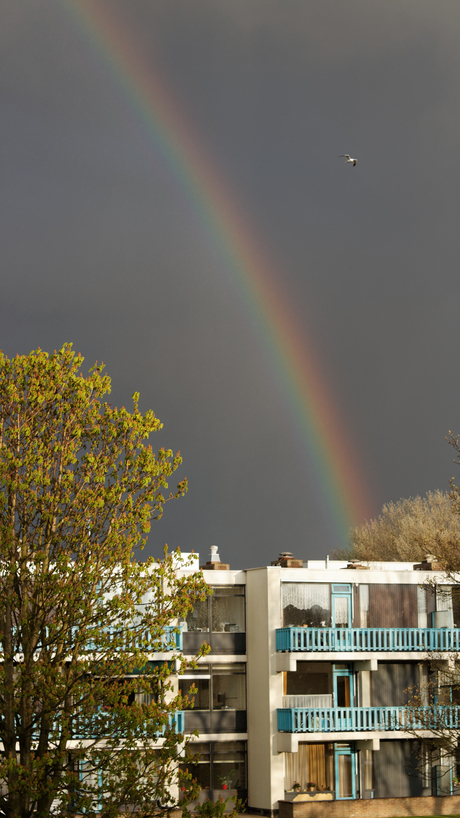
340,488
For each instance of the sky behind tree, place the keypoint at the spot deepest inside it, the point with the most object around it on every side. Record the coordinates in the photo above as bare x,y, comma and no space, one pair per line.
172,201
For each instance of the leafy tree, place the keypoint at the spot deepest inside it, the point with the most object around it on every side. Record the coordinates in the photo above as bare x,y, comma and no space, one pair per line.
438,701
87,718
432,714
407,530
432,526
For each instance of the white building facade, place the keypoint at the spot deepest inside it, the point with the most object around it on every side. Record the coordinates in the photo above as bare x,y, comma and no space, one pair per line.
306,691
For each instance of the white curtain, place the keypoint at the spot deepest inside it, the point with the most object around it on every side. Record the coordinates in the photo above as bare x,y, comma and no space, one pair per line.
341,611
321,700
303,596
421,607
444,602
364,606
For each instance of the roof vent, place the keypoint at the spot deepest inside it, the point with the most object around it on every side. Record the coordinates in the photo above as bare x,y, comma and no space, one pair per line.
286,560
214,563
357,565
428,564
214,554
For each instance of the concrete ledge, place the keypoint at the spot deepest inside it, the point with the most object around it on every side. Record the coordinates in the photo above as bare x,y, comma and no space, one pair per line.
368,744
364,735
287,742
367,735
205,737
374,808
287,661
365,656
367,664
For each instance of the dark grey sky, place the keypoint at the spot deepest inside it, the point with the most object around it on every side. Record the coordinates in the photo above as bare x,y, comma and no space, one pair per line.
101,246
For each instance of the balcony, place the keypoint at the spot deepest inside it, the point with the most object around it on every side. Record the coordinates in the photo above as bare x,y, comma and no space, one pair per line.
357,640
363,719
171,639
88,731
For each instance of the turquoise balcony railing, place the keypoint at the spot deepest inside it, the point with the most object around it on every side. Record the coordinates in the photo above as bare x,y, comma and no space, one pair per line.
362,719
170,640
175,723
367,639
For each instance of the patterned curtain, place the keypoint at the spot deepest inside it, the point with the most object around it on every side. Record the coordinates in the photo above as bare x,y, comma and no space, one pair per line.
306,604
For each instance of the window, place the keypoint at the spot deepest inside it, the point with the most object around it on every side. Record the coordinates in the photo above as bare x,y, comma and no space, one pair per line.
196,686
229,765
227,606
367,770
422,621
306,605
444,601
223,612
218,687
364,606
199,765
198,618
228,687
214,764
313,763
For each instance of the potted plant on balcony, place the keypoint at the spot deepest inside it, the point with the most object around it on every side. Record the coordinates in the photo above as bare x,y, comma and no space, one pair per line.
226,780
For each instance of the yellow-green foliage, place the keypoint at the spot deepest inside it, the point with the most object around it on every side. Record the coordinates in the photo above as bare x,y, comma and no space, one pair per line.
79,487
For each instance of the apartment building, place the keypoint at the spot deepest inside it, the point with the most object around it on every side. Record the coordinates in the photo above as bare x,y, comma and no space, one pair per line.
305,693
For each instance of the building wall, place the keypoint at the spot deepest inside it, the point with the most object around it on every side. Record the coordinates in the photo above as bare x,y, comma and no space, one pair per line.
394,682
265,689
396,770
376,808
393,606
381,599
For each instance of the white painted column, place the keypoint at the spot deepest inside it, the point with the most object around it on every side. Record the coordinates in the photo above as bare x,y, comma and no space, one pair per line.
265,688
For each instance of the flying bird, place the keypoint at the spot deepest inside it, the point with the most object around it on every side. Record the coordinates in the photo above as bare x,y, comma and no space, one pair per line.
349,159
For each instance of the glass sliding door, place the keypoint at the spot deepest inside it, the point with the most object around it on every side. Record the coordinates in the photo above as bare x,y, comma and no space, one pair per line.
345,772
341,606
343,686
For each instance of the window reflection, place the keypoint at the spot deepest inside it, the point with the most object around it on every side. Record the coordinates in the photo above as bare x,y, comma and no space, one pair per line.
196,691
228,610
223,612
214,764
218,687
198,618
228,687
